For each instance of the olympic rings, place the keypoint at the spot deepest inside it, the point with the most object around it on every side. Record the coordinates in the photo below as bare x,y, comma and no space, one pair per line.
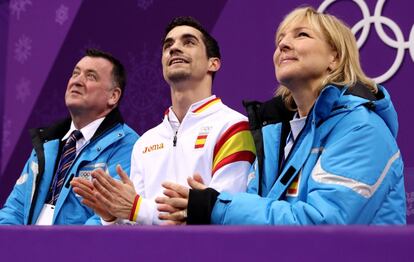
378,20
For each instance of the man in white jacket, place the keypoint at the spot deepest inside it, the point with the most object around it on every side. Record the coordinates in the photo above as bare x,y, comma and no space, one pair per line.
199,135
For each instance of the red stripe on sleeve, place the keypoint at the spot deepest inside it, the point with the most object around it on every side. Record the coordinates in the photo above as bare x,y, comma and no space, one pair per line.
240,126
239,156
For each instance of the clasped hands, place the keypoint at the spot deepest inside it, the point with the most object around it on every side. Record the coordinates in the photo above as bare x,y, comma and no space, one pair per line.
173,206
108,197
112,199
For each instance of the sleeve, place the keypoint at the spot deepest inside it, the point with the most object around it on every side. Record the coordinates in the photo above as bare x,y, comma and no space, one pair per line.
121,155
13,210
146,209
233,155
348,185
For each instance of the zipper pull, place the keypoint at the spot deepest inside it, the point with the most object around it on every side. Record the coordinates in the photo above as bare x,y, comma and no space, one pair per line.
175,138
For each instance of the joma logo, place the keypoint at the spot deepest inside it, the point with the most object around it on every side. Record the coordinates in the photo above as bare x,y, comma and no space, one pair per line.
153,147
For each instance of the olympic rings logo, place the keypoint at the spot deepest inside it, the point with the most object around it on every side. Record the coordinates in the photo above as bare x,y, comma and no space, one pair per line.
378,20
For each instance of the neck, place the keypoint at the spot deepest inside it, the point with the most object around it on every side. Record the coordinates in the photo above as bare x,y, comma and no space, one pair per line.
80,120
184,94
305,95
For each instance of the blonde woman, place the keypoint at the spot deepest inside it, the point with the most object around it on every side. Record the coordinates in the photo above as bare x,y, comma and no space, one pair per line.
326,144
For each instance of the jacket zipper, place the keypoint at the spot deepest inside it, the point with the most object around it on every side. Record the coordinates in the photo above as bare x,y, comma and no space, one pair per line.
175,139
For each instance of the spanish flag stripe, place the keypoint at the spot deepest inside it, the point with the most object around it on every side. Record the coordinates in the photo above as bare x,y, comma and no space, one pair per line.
206,105
200,141
202,137
292,191
238,156
137,209
240,126
199,146
241,141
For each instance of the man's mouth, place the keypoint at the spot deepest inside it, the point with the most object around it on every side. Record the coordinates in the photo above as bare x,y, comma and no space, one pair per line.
178,60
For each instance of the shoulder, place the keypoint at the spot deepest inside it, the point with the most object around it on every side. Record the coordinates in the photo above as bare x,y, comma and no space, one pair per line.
227,117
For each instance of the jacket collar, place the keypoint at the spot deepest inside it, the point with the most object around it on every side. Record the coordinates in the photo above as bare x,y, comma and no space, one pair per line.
59,129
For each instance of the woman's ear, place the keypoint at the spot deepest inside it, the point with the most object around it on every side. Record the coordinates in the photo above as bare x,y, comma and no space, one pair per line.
334,61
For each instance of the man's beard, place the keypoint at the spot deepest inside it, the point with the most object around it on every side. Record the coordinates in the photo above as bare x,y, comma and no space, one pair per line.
178,76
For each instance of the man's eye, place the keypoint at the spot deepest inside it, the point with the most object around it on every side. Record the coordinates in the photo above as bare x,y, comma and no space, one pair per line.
166,46
91,76
75,73
189,42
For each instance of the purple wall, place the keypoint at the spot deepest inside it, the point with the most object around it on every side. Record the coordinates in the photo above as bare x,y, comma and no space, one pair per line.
207,243
45,40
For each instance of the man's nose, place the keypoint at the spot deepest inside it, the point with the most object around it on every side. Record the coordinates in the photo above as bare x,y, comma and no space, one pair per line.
175,48
78,79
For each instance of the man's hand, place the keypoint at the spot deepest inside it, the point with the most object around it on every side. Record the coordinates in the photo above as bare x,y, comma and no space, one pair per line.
174,205
85,189
116,196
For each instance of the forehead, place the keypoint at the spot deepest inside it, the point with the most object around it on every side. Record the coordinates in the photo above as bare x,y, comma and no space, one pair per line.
98,64
294,25
179,31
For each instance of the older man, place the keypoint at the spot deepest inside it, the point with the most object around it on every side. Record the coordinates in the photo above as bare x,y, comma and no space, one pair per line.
94,136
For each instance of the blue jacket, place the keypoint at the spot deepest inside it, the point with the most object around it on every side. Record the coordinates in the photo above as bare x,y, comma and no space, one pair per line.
344,168
112,144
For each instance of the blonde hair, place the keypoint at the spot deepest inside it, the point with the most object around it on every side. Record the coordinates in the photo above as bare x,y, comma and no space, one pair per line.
341,39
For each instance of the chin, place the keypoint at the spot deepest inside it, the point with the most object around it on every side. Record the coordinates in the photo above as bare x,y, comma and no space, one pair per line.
178,76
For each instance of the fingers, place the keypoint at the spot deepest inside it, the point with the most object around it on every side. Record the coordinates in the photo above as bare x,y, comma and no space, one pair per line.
166,208
83,188
104,183
194,184
124,176
173,223
180,216
182,190
104,179
103,191
178,203
171,193
81,182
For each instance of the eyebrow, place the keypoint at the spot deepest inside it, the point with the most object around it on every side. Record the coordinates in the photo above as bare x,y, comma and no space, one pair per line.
296,29
87,70
184,36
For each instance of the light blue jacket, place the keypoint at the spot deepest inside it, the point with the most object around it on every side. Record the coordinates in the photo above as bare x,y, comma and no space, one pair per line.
344,168
112,144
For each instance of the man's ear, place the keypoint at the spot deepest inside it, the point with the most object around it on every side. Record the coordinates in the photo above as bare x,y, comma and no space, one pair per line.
214,64
115,96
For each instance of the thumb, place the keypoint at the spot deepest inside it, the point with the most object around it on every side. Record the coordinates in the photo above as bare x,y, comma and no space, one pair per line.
194,184
124,176
197,177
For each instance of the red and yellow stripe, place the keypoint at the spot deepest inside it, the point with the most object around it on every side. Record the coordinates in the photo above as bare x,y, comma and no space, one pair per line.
206,105
135,208
236,144
293,188
200,141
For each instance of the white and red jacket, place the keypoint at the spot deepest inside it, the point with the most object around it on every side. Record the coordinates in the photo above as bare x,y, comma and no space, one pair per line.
212,140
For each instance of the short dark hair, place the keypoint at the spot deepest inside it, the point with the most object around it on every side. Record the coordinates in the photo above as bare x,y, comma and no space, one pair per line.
212,47
118,70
